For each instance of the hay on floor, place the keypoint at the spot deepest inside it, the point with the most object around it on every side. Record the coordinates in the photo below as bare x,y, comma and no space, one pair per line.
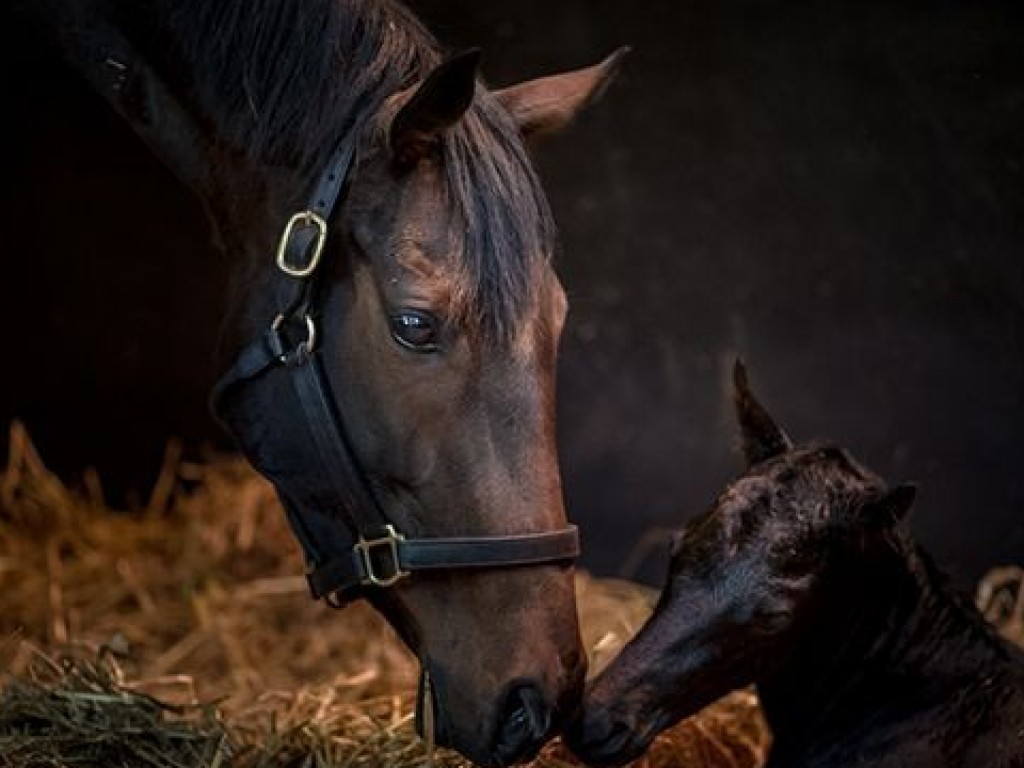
182,635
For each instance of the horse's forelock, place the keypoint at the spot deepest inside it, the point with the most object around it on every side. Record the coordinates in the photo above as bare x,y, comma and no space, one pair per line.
283,80
503,228
279,79
502,233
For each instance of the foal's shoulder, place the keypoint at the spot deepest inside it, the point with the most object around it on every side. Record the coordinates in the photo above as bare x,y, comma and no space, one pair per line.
1000,741
980,724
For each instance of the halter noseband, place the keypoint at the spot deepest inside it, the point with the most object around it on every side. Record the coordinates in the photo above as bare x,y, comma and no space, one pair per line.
376,553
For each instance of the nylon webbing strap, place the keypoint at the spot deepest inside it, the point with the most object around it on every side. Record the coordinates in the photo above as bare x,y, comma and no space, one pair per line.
305,234
462,553
347,480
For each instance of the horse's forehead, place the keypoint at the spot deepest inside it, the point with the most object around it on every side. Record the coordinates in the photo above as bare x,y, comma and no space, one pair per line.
385,211
423,230
412,228
423,211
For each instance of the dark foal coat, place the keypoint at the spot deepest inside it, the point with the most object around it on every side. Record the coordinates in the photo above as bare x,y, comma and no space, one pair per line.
898,670
804,579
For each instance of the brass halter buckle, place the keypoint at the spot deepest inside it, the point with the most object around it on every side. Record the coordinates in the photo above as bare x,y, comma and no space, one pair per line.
366,549
299,221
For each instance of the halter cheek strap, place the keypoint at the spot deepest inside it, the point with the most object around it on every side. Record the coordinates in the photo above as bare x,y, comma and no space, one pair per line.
364,549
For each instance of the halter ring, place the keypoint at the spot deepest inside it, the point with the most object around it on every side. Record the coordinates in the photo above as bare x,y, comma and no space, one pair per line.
278,341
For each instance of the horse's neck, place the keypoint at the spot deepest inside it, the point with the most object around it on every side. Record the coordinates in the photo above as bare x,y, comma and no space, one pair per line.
88,36
246,202
889,639
93,37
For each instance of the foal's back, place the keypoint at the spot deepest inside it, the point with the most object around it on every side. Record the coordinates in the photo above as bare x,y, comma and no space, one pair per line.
947,693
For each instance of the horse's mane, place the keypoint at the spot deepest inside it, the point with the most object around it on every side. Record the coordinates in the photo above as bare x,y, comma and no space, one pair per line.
284,80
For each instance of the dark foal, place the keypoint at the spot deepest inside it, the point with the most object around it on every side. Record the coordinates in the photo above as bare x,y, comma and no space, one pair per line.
803,580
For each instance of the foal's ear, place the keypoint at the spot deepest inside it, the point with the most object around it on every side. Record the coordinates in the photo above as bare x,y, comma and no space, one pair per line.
437,104
762,437
892,507
548,104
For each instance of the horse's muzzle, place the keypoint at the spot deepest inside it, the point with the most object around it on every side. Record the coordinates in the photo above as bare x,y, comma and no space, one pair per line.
524,717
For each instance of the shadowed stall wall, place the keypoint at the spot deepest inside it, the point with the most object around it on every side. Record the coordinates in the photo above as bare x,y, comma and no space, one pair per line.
832,190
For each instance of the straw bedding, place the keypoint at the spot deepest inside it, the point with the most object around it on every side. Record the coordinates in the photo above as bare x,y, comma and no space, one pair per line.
180,636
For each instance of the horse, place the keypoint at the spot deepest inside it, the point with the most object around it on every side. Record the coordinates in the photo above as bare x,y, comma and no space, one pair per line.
803,579
391,336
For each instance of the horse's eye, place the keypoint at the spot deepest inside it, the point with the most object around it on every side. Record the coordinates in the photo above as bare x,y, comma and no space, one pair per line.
415,330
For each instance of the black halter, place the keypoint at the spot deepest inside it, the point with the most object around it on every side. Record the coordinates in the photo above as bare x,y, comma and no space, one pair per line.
374,553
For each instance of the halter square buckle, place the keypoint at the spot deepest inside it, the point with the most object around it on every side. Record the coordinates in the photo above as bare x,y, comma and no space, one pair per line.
302,219
382,551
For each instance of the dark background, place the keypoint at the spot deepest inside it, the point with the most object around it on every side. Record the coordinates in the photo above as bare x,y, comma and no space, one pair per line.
833,190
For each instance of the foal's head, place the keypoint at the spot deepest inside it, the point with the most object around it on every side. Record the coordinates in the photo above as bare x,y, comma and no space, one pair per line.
744,580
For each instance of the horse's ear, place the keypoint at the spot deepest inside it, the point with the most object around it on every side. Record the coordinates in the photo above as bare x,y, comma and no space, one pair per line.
548,104
437,104
892,507
762,437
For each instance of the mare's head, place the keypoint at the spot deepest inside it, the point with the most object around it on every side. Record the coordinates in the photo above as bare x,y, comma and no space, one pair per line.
743,582
437,315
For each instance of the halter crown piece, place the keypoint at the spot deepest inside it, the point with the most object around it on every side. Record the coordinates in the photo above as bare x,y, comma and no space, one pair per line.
370,552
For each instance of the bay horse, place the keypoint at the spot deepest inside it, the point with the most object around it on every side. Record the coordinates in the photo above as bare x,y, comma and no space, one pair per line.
394,318
804,580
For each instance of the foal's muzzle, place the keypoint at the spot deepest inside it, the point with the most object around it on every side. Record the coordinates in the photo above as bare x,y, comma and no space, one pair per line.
601,737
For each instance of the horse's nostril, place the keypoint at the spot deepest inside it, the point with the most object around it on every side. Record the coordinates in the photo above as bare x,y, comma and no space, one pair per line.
525,709
524,724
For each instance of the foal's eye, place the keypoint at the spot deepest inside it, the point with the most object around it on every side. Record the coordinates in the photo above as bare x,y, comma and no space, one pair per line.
415,330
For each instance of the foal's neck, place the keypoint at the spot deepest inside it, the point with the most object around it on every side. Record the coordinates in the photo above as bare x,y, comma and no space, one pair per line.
890,636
